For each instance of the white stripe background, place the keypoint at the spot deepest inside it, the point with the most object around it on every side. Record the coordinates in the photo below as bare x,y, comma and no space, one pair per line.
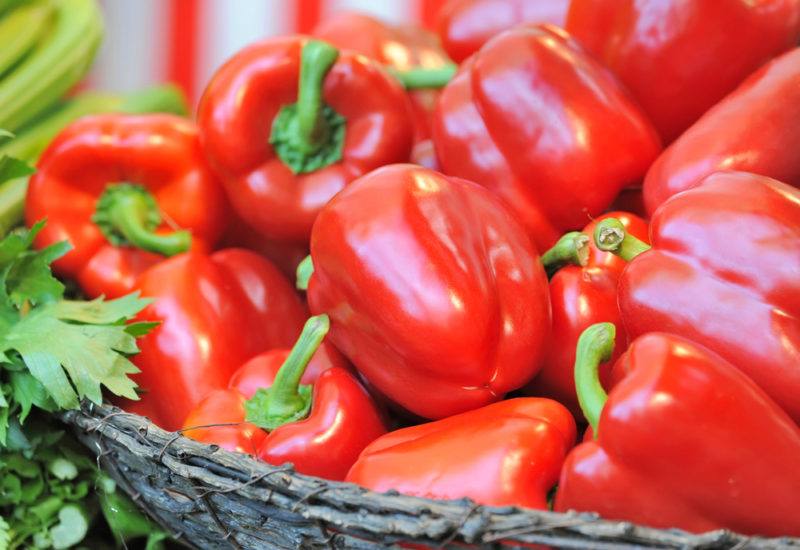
134,51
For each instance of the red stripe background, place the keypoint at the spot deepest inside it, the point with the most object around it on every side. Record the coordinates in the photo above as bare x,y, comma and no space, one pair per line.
307,14
184,17
427,11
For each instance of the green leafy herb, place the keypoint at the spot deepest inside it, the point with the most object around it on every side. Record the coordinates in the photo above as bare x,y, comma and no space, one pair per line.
10,167
5,534
124,519
69,349
72,526
54,353
44,480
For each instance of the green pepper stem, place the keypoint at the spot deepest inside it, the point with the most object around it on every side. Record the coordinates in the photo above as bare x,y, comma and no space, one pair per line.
572,248
423,78
284,388
129,222
286,400
595,346
309,135
610,235
304,272
128,214
316,60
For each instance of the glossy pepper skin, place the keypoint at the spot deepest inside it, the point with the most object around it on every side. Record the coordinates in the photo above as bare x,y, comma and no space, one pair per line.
466,25
400,47
684,440
227,406
237,117
285,256
160,155
260,371
323,440
722,272
434,292
544,127
582,292
507,453
219,419
679,57
216,312
747,131
342,422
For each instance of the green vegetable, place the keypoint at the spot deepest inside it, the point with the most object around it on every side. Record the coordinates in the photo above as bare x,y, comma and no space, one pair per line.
58,61
165,98
124,519
54,352
70,348
5,534
11,167
26,25
7,5
44,485
51,493
72,526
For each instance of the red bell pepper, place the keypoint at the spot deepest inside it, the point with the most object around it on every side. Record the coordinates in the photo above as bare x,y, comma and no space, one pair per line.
435,293
545,127
404,49
679,57
747,131
260,371
507,453
631,199
684,440
723,273
285,140
216,312
285,256
227,407
219,419
321,435
117,187
466,25
583,291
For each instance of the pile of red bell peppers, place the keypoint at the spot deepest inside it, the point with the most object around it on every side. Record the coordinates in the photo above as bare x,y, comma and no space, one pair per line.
471,294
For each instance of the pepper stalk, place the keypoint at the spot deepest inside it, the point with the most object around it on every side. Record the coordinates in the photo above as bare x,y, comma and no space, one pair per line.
423,78
309,135
595,346
286,400
572,248
305,270
127,214
610,236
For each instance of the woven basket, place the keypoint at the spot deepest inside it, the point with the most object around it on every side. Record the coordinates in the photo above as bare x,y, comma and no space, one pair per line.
210,498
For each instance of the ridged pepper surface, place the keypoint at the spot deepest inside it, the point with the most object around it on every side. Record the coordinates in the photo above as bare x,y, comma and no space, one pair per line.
434,291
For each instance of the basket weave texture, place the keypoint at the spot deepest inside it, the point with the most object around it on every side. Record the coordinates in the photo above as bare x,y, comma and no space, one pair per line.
211,498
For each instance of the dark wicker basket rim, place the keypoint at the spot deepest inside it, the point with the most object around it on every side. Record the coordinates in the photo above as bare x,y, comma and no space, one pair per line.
211,498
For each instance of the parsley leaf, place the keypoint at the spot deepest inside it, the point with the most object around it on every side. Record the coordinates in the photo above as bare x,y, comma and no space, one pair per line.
28,391
69,348
10,167
5,534
53,353
71,359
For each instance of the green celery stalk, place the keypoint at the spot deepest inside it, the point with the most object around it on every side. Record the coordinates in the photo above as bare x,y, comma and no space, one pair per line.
20,30
29,144
56,64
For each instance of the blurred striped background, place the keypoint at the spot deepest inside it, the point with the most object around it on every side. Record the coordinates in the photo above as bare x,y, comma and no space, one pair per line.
184,41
